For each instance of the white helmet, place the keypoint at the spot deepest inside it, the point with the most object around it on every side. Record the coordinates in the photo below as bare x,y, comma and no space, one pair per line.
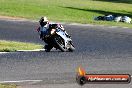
45,19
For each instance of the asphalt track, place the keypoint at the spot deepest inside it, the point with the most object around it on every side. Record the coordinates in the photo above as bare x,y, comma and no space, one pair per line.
99,49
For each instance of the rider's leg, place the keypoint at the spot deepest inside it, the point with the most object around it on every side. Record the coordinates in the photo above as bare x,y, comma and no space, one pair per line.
47,46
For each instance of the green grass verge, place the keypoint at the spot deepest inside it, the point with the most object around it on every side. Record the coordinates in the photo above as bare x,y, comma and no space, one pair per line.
9,46
80,11
7,86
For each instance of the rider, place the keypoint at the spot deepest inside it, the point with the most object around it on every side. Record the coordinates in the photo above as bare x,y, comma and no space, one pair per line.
44,30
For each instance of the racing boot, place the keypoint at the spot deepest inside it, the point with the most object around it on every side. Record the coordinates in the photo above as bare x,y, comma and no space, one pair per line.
47,48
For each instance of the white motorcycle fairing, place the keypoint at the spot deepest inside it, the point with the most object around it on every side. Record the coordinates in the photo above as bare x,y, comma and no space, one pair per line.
63,35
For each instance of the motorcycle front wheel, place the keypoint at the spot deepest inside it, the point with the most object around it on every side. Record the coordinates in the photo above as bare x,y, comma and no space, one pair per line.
72,48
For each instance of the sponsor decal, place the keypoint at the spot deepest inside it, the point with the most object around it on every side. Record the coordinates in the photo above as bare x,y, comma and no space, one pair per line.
83,78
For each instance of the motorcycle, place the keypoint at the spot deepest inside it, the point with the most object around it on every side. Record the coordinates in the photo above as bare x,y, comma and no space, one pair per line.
58,39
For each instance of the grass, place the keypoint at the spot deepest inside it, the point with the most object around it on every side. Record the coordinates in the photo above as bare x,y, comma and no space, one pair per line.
80,11
9,46
7,86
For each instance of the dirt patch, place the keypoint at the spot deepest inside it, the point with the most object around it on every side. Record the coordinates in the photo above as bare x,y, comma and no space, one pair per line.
11,18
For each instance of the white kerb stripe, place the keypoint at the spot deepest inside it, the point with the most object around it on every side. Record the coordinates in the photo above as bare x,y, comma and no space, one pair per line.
20,81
